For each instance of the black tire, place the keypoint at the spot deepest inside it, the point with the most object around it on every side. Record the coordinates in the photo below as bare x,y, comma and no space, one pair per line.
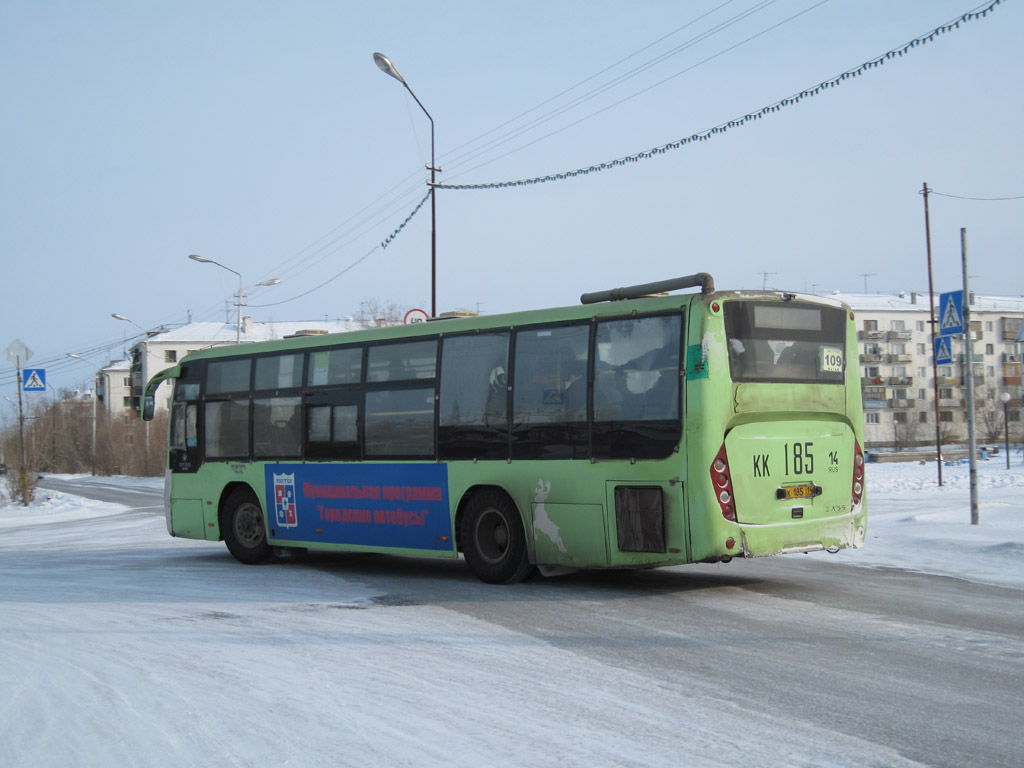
493,540
244,528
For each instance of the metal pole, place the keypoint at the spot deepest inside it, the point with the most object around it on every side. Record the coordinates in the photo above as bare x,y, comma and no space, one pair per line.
935,326
969,374
1006,425
95,379
433,208
238,321
23,473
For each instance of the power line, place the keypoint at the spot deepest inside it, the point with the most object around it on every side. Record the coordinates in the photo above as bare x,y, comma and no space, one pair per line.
750,116
962,197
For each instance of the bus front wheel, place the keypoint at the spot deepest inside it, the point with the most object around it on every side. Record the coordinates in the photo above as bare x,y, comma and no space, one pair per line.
493,540
243,529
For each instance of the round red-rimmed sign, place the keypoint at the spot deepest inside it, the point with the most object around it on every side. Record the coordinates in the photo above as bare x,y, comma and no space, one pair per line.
415,316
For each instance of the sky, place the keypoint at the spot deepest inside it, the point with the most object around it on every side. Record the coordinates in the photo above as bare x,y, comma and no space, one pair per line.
261,135
158,666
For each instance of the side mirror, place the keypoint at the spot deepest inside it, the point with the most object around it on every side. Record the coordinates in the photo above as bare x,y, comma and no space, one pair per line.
148,406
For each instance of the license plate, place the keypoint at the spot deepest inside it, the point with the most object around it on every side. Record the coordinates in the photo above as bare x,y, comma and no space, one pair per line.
796,492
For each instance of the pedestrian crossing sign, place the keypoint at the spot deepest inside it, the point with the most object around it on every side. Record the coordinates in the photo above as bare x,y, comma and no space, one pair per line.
33,379
943,350
951,313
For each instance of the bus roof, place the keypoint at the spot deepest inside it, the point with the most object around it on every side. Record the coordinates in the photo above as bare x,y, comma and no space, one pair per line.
450,325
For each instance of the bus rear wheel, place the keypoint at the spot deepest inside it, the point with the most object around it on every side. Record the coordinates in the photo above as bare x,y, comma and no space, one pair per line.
243,528
493,540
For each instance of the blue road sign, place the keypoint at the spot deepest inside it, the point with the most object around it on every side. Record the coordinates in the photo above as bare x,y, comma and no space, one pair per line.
943,350
33,379
951,313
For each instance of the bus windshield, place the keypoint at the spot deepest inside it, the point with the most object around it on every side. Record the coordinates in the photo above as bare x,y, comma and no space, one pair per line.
786,342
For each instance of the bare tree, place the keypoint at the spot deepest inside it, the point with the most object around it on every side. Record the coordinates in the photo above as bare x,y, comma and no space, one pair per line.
374,312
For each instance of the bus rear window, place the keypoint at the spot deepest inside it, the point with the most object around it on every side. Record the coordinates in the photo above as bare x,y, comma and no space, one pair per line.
790,342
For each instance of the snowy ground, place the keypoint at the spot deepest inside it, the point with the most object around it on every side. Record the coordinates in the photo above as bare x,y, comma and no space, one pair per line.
121,646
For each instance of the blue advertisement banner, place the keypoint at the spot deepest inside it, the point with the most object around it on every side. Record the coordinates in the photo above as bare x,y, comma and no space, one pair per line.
375,505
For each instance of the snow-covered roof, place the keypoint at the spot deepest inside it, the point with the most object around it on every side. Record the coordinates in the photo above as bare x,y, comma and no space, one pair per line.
212,333
916,302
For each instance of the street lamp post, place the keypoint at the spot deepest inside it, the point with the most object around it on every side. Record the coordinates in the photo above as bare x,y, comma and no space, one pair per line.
79,357
1005,397
385,65
241,290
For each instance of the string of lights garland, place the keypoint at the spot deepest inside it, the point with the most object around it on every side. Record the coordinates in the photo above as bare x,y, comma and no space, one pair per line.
382,246
736,123
387,240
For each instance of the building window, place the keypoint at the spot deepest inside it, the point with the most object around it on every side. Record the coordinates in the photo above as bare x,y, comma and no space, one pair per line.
946,417
870,325
899,417
920,394
988,325
922,417
990,349
922,349
898,349
898,325
922,372
871,418
920,326
170,356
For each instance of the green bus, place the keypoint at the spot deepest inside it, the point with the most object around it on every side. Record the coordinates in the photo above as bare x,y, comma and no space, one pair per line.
640,428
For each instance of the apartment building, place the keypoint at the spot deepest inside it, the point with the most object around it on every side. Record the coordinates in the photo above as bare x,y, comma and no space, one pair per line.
162,349
898,379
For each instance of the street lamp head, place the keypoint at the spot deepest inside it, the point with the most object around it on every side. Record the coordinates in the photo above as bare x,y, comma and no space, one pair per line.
1005,397
201,259
275,281
387,67
120,317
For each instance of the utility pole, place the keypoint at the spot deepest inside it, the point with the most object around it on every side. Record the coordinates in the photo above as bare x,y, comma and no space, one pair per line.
968,349
935,332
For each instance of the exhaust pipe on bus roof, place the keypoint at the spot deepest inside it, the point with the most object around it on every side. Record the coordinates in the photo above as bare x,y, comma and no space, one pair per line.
702,279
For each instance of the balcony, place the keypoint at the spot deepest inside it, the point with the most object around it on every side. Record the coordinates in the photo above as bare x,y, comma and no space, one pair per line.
901,403
1011,381
870,357
898,358
900,381
1008,358
975,358
870,335
898,335
874,404
945,402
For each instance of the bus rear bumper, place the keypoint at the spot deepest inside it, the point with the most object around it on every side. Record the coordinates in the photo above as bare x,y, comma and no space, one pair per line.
833,534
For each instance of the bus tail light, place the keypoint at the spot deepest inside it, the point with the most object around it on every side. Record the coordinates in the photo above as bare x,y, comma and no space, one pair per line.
722,483
858,473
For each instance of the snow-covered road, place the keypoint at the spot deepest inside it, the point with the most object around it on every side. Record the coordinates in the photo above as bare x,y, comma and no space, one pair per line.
122,646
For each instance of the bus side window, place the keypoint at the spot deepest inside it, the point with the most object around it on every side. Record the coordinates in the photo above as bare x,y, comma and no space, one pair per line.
227,429
276,429
549,393
636,387
474,397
